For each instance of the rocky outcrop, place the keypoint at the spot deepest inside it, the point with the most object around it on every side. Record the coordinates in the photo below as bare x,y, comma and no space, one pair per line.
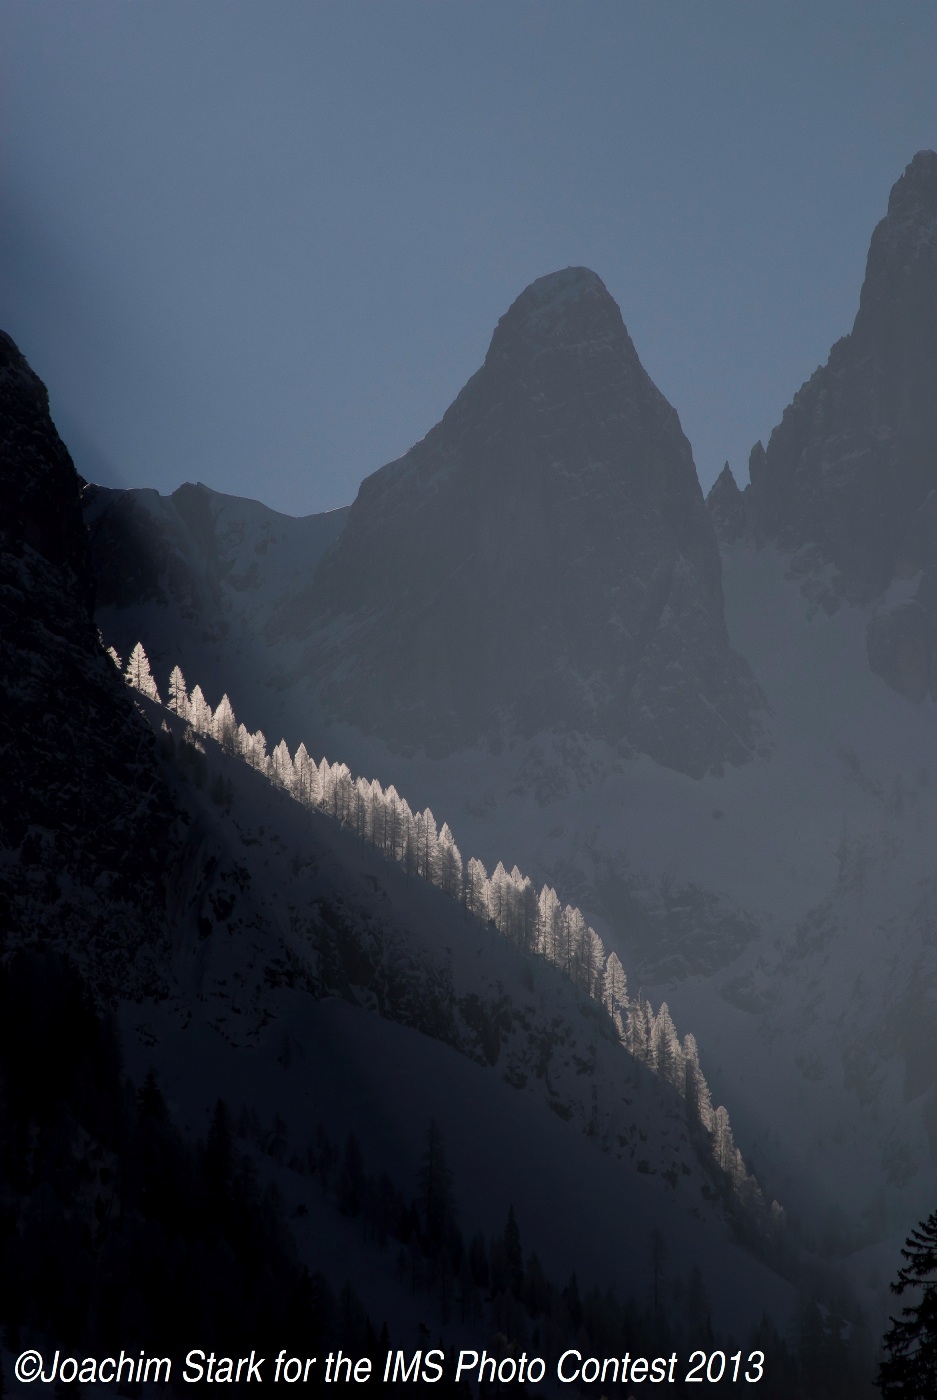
541,560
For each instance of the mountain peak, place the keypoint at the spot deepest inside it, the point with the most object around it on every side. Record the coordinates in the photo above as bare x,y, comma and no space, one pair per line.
566,281
541,561
571,307
559,289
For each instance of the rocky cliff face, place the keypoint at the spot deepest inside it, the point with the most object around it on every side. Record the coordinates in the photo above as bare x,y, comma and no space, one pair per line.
542,559
849,468
85,819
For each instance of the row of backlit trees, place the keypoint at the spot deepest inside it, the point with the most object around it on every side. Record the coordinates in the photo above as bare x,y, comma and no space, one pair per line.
536,923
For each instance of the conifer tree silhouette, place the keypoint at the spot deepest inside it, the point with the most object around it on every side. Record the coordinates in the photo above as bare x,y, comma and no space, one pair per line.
910,1365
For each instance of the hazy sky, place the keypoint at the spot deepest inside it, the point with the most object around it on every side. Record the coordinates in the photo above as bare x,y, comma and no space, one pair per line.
263,245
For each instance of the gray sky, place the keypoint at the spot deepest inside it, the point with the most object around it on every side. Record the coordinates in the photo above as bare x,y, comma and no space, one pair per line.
263,245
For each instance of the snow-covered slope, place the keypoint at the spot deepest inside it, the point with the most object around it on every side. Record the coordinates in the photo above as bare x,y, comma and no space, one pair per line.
315,979
785,909
781,909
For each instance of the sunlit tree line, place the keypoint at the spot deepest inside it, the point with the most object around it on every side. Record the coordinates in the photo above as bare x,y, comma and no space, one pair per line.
536,923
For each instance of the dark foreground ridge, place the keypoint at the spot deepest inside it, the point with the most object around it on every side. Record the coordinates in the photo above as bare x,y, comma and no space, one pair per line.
85,819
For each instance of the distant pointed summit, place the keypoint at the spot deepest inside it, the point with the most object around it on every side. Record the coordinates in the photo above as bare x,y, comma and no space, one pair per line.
542,560
726,505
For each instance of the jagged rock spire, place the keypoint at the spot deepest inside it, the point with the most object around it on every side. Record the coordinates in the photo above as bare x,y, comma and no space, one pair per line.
854,455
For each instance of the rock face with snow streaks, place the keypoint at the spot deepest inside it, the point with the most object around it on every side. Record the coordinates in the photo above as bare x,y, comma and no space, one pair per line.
847,473
541,560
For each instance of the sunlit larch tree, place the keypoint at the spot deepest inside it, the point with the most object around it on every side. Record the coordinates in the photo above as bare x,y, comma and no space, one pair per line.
574,928
592,964
498,896
615,991
378,816
427,846
282,766
139,675
639,1028
723,1141
200,715
407,837
699,1102
527,913
224,728
257,751
450,864
476,888
305,784
549,923
668,1052
392,846
178,695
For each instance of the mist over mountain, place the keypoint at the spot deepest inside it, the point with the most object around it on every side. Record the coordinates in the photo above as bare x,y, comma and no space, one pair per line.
541,560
